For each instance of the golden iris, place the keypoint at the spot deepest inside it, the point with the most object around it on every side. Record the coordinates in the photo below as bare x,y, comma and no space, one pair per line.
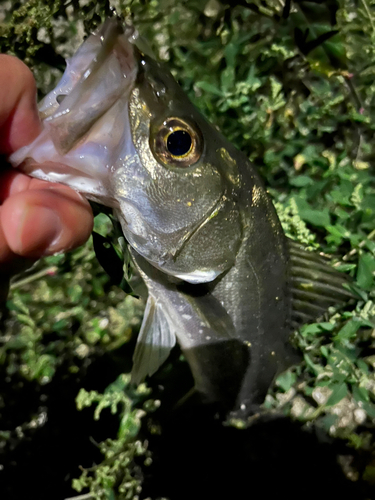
177,143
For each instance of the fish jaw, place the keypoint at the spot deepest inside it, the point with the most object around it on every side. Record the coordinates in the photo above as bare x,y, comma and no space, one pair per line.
85,118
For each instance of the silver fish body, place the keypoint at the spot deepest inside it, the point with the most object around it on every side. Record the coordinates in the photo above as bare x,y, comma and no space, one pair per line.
204,234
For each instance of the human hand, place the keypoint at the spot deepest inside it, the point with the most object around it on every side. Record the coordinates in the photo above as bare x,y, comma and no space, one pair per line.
37,218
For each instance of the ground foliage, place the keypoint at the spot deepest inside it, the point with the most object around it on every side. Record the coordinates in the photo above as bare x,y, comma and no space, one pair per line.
292,85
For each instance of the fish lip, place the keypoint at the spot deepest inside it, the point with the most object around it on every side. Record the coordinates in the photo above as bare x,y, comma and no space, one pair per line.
95,85
101,42
109,32
56,172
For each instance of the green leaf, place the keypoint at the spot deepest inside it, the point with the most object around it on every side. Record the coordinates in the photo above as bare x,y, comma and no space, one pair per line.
328,421
319,218
363,366
366,268
314,367
349,330
324,351
360,394
230,53
252,80
339,392
312,329
301,181
60,325
345,267
369,409
209,87
286,380
227,79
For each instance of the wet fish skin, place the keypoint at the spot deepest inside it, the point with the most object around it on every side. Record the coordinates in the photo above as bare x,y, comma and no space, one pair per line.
204,234
252,286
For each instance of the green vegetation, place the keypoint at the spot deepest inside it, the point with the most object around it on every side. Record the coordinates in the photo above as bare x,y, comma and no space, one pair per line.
294,89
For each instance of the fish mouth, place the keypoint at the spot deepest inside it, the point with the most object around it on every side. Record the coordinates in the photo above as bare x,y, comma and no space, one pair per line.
104,70
85,118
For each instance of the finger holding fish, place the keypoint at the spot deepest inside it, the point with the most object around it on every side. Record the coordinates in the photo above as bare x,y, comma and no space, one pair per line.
42,220
19,120
36,218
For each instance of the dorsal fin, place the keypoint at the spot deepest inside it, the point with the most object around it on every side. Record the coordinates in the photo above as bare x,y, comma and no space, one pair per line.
316,285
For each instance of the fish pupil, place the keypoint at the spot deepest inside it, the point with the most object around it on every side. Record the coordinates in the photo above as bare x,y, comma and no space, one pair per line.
179,143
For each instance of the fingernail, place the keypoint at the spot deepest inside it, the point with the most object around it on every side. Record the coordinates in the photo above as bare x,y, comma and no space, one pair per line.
40,230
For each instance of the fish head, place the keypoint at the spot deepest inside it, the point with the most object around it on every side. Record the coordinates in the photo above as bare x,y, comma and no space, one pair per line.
119,129
179,209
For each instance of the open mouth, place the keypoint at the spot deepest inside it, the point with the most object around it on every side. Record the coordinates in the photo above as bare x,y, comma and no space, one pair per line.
102,71
85,118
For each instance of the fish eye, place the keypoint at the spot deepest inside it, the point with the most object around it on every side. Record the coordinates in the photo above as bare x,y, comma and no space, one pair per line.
177,143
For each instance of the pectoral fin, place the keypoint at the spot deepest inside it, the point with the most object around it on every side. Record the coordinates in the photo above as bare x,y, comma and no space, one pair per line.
316,285
205,332
155,341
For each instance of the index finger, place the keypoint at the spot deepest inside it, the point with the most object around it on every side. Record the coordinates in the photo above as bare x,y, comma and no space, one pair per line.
19,121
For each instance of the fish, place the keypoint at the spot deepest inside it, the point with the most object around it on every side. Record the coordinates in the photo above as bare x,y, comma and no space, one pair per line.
223,280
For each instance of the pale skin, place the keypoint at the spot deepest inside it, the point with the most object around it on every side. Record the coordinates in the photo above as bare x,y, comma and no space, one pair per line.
37,218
